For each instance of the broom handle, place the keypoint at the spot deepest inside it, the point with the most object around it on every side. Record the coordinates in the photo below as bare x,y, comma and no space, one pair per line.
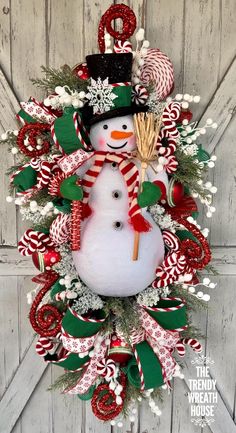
137,234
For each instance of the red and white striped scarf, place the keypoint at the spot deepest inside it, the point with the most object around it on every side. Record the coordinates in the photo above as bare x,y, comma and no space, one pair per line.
131,176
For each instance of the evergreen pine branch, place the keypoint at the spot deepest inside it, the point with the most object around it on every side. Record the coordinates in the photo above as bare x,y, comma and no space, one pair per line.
59,77
211,269
189,172
67,380
193,303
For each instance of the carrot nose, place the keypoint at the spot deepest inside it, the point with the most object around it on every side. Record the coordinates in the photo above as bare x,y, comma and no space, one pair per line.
118,135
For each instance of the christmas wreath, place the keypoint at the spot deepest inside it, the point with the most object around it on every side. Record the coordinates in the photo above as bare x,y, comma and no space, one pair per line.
107,170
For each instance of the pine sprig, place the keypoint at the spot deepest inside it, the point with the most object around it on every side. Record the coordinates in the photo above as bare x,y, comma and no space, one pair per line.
193,303
67,380
59,77
189,172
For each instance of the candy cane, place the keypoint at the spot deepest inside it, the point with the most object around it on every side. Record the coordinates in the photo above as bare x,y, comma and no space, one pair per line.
32,241
180,349
60,229
44,174
43,346
194,344
169,117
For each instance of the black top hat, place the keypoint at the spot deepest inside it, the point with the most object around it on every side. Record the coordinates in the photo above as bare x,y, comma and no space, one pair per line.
110,89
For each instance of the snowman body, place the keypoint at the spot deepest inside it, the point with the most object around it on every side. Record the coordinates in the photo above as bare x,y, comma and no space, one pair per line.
104,261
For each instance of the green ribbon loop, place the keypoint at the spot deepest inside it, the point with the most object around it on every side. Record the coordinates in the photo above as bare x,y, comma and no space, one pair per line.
25,179
81,326
151,367
170,314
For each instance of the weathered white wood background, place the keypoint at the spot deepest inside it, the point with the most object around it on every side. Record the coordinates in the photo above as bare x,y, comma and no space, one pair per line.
199,36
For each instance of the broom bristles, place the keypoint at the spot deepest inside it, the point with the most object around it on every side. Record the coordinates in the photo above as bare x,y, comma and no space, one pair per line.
147,128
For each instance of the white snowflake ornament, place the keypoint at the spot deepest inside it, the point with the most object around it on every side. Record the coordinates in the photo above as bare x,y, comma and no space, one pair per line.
100,95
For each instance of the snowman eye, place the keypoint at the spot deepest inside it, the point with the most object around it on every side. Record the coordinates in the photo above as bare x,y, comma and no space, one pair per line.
105,126
124,126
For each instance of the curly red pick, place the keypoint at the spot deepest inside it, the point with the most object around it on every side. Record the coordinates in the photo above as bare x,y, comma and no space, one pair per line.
197,256
103,402
129,24
32,131
46,321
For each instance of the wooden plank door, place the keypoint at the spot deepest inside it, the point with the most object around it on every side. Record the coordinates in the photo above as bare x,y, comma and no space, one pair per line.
199,38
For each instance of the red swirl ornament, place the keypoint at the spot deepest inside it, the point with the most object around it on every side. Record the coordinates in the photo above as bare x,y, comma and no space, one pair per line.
197,255
32,131
129,24
103,402
46,320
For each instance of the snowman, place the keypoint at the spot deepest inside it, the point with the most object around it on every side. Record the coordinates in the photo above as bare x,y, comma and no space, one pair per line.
109,181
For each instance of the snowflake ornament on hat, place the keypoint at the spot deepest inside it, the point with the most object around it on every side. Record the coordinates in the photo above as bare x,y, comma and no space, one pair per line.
107,172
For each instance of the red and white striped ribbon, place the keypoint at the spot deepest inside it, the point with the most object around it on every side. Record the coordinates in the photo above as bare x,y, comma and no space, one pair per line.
90,373
70,163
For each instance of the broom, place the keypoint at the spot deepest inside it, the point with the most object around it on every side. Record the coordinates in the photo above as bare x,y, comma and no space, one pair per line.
147,128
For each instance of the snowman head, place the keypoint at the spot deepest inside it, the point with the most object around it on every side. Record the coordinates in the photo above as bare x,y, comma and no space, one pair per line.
114,135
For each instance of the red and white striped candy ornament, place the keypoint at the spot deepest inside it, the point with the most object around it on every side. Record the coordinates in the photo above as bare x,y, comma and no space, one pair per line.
44,174
171,241
170,115
55,183
194,344
32,241
180,349
171,164
172,267
60,229
43,346
158,70
171,144
35,163
122,47
139,94
106,368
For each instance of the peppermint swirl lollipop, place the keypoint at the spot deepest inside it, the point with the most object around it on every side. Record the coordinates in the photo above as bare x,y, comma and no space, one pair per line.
122,47
158,70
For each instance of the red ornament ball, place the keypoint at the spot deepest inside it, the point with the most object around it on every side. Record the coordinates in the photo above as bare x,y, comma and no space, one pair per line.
81,71
185,115
44,261
119,350
175,193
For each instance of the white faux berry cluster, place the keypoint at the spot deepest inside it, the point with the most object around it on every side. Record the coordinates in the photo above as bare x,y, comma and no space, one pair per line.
65,97
139,55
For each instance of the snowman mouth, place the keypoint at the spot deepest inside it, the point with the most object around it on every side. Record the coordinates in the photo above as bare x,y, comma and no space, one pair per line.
117,147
